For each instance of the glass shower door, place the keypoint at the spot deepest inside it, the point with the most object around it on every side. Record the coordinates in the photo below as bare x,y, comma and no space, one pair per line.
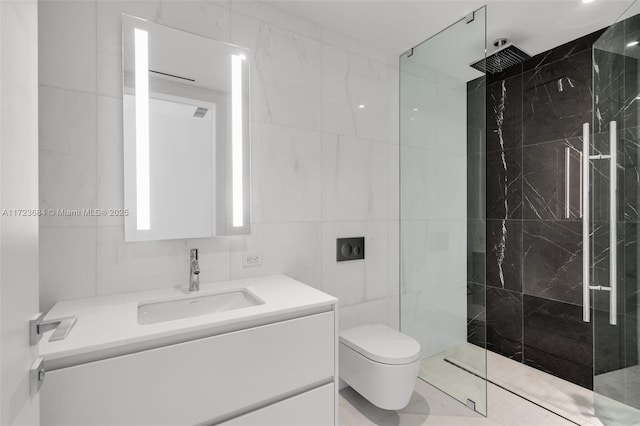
611,160
442,208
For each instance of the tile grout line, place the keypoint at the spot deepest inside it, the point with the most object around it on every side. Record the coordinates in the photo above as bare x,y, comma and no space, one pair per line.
322,164
95,265
230,244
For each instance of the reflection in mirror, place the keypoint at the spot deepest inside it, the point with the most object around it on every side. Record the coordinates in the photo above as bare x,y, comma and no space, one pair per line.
186,134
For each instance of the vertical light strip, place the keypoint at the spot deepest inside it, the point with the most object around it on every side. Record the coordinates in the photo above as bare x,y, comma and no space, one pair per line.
143,198
567,179
236,140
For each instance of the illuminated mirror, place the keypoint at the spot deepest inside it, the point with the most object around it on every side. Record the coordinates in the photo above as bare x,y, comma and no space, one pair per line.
186,134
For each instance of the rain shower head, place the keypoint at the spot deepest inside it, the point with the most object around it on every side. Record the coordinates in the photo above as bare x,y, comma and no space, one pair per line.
505,56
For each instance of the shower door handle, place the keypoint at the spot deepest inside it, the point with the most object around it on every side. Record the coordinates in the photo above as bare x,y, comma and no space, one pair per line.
613,223
613,226
586,251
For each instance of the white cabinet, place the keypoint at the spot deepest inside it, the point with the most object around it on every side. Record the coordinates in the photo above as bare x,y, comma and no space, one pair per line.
311,408
272,374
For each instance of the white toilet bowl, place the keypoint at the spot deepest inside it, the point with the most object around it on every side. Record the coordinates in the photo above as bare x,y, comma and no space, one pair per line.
380,363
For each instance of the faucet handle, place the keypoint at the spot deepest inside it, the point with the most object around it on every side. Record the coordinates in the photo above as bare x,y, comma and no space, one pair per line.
195,268
194,271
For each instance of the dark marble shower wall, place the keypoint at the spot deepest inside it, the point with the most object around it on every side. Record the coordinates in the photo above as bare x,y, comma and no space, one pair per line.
476,222
533,266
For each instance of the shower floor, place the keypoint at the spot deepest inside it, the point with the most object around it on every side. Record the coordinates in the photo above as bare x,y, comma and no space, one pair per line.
459,371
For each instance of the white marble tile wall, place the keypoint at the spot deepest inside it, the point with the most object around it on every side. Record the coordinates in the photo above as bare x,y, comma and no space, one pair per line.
322,167
434,211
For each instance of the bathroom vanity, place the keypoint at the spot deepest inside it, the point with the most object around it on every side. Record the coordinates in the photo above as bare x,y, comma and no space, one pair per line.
259,351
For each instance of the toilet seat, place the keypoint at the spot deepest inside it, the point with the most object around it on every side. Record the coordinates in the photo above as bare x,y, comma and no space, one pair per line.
381,344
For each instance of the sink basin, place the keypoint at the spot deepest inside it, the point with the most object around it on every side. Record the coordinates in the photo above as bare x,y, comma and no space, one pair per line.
170,310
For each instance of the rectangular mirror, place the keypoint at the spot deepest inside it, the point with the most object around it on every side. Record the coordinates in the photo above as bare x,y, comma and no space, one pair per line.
186,134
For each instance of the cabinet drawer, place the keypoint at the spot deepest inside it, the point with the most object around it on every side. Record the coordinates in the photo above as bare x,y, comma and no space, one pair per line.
312,408
193,382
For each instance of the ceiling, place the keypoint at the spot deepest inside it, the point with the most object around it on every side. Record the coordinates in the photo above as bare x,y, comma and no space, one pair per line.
397,25
179,61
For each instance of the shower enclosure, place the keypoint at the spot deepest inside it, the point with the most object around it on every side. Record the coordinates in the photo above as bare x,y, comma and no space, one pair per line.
442,208
611,219
594,175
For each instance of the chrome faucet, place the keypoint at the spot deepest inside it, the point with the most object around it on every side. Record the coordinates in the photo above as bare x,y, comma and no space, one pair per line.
194,271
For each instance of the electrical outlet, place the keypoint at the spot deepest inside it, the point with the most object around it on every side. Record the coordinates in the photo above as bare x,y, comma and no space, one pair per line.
251,260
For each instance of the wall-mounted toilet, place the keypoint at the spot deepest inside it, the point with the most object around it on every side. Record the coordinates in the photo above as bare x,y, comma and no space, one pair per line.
380,363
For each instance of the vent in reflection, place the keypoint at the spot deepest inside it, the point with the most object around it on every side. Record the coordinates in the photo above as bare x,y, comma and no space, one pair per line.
200,112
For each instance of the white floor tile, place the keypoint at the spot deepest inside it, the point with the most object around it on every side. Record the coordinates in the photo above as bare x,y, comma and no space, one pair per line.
430,407
550,395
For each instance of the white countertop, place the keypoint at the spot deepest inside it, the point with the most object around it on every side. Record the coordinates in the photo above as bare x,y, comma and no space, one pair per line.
108,325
